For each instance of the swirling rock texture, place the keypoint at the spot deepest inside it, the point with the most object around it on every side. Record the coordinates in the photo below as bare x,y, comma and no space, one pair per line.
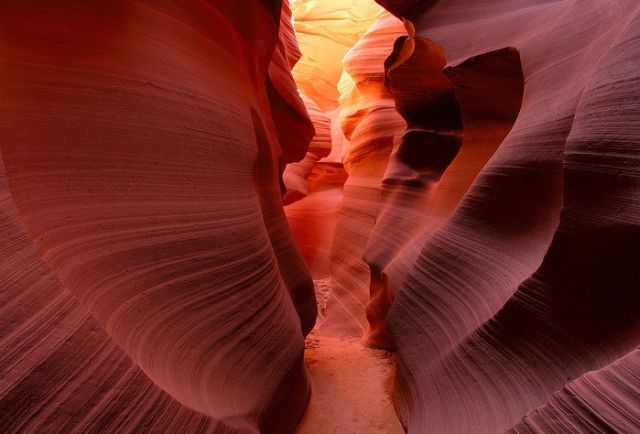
532,280
462,186
141,148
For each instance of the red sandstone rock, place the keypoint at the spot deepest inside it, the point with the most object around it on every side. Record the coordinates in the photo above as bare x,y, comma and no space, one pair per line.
296,174
528,284
470,200
143,158
370,123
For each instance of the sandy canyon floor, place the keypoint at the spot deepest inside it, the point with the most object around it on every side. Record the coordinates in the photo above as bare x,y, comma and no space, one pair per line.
351,387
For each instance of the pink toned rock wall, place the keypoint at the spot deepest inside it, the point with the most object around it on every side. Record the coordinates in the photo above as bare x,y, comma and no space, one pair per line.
430,225
532,281
141,152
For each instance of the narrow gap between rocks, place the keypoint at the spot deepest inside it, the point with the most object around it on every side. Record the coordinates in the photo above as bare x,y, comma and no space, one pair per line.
390,155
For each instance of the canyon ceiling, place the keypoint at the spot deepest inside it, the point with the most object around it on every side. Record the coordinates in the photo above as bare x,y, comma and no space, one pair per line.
320,216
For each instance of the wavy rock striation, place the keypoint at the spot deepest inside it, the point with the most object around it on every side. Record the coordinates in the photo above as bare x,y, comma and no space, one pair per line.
528,283
462,181
493,241
143,145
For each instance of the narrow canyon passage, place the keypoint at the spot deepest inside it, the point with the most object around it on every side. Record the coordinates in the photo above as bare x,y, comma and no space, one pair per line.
448,191
320,216
351,384
342,212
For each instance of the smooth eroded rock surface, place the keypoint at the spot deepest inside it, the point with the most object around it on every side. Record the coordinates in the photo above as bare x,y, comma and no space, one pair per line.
431,225
141,147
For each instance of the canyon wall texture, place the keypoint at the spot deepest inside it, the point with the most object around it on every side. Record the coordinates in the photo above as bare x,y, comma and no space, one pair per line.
455,181
142,146
493,239
532,279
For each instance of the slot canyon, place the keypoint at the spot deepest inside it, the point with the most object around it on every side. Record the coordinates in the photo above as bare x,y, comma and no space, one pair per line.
320,216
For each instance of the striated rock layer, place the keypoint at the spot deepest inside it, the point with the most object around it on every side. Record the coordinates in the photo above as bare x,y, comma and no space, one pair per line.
494,241
462,180
531,280
143,145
